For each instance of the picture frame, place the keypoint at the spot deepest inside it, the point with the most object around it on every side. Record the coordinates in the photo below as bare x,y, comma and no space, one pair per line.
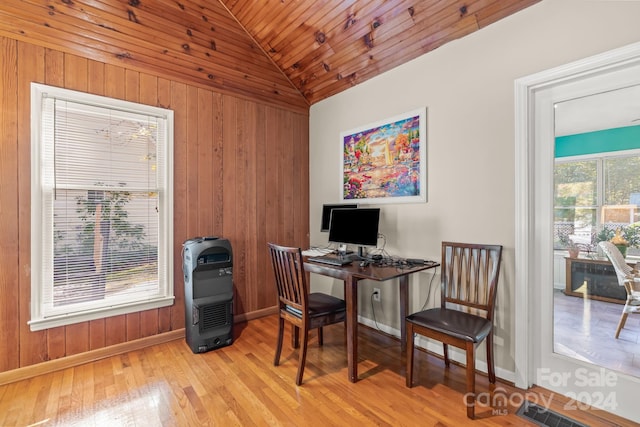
385,161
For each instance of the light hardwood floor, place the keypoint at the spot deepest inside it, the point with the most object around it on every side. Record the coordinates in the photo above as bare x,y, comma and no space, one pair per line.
585,329
168,385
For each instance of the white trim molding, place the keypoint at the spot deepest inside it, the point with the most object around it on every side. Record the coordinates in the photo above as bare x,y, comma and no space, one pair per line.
535,97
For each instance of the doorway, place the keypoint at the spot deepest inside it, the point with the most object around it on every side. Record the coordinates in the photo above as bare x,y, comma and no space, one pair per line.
538,356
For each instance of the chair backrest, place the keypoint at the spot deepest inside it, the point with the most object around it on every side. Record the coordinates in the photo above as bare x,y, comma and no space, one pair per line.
470,274
623,270
290,276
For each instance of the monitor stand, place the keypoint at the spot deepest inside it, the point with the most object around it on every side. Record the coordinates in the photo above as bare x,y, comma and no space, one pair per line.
342,250
362,253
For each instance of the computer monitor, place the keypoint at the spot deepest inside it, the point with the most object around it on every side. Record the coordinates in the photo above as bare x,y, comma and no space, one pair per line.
355,227
326,213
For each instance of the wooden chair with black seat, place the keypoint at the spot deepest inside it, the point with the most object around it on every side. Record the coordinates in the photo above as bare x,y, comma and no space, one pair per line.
304,310
628,277
468,278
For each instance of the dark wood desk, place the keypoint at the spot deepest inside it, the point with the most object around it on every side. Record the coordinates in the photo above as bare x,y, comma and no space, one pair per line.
351,275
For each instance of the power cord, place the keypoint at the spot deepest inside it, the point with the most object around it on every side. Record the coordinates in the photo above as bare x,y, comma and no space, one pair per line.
373,310
426,303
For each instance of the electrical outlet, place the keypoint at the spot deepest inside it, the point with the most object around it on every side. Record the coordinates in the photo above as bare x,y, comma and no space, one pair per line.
376,294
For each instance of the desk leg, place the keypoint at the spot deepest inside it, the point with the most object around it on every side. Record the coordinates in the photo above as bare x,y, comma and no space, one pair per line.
404,307
351,299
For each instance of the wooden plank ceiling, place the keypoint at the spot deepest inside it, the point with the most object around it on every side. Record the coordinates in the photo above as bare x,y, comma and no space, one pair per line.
325,47
287,52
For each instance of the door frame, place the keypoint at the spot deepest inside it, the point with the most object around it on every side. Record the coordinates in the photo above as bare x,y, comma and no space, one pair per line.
535,96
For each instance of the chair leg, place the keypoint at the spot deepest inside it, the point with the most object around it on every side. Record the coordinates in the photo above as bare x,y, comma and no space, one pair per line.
295,336
276,361
320,338
471,381
623,320
410,338
445,353
490,364
303,357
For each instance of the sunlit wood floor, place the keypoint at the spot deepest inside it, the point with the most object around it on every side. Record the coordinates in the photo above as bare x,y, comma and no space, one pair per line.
585,330
168,385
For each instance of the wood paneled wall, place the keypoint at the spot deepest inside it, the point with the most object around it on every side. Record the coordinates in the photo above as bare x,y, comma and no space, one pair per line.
197,42
240,171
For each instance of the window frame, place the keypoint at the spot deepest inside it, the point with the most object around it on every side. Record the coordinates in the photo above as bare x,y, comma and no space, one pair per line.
39,213
600,159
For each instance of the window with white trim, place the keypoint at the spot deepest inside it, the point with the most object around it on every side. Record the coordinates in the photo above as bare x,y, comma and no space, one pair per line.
595,196
101,207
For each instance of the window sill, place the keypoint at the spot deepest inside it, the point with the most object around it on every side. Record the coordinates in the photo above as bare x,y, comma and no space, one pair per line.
69,319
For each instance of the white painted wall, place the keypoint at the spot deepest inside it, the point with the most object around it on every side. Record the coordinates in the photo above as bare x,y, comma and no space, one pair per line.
467,87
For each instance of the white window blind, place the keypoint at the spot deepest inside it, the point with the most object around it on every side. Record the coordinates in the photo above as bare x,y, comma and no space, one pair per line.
101,207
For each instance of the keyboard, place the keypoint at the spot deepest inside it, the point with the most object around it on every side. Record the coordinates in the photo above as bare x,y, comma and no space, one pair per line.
331,260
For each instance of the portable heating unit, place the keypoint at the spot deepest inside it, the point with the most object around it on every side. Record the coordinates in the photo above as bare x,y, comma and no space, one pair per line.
208,288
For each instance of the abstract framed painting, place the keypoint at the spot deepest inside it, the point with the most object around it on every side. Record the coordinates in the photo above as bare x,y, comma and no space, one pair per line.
386,161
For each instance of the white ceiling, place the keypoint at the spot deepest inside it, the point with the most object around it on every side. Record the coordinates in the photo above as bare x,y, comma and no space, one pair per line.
614,109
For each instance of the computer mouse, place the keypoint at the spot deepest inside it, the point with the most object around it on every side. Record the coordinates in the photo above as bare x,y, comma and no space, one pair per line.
364,263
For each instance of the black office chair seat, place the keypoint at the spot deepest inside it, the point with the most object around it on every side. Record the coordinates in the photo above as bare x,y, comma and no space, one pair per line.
323,305
463,326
